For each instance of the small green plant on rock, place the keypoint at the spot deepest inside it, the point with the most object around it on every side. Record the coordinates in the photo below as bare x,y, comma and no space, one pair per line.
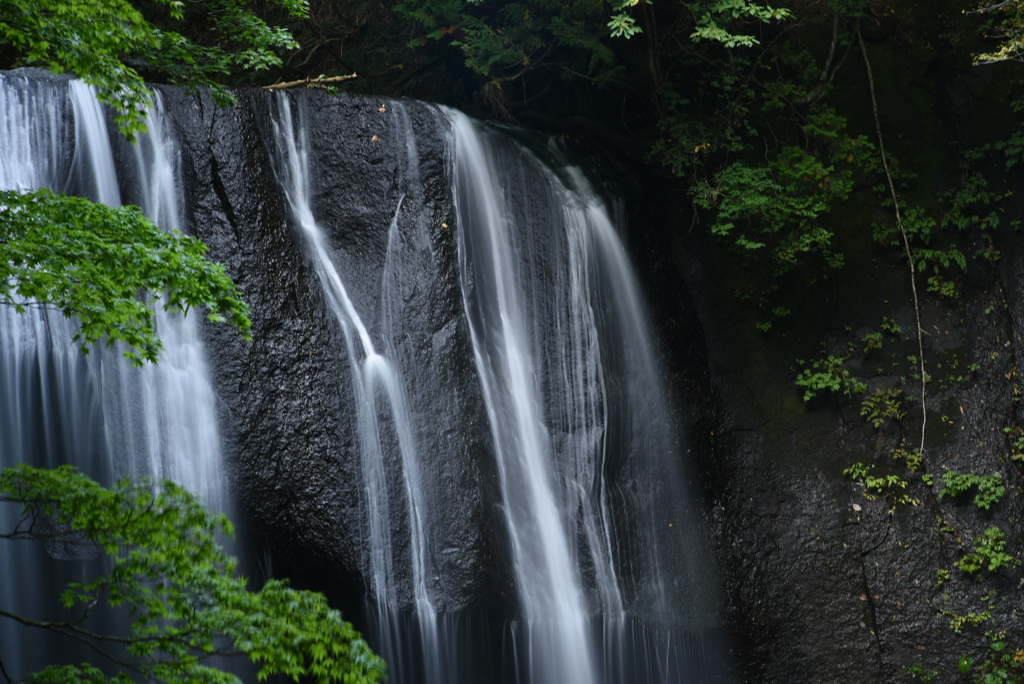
872,341
889,485
957,622
1016,437
890,326
1005,664
989,553
917,671
990,488
914,461
881,405
828,374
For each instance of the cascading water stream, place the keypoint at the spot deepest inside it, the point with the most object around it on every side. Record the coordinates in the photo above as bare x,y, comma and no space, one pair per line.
47,412
558,647
163,417
590,573
588,467
609,570
96,412
371,373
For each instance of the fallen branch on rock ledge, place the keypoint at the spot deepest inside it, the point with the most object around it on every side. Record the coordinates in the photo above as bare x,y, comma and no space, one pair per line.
317,82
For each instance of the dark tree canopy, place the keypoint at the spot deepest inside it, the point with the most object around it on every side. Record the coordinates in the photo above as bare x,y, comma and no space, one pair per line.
115,44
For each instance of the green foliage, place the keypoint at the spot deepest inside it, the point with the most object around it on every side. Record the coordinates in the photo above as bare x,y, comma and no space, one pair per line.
990,488
972,205
958,622
921,230
1005,665
185,602
913,459
970,209
872,341
989,552
917,671
107,43
779,205
1012,146
1006,21
890,326
1016,437
504,41
93,261
828,373
721,20
622,25
882,405
889,485
768,162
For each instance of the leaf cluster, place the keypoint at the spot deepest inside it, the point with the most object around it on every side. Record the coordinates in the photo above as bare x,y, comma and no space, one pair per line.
185,602
1004,22
882,405
111,43
989,552
717,20
99,263
890,485
502,41
768,160
1005,664
828,373
989,489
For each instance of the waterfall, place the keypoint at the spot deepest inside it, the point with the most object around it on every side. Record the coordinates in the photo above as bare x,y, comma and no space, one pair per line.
96,412
610,572
523,514
500,310
384,425
611,581
161,419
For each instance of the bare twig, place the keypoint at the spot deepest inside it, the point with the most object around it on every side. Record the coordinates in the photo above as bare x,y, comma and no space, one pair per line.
992,8
317,82
831,68
903,234
3,671
80,635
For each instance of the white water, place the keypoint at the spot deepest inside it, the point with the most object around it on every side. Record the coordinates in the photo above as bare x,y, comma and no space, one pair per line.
162,418
384,425
590,482
557,648
588,469
96,412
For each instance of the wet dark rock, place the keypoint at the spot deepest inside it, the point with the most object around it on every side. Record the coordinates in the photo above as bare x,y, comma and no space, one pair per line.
822,583
286,395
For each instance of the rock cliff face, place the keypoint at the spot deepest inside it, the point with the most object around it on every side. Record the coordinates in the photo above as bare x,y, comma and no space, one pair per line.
823,583
828,581
286,395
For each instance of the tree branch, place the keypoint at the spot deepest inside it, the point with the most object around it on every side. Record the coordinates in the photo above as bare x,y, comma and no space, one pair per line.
317,82
3,671
71,630
992,8
903,234
80,635
831,68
